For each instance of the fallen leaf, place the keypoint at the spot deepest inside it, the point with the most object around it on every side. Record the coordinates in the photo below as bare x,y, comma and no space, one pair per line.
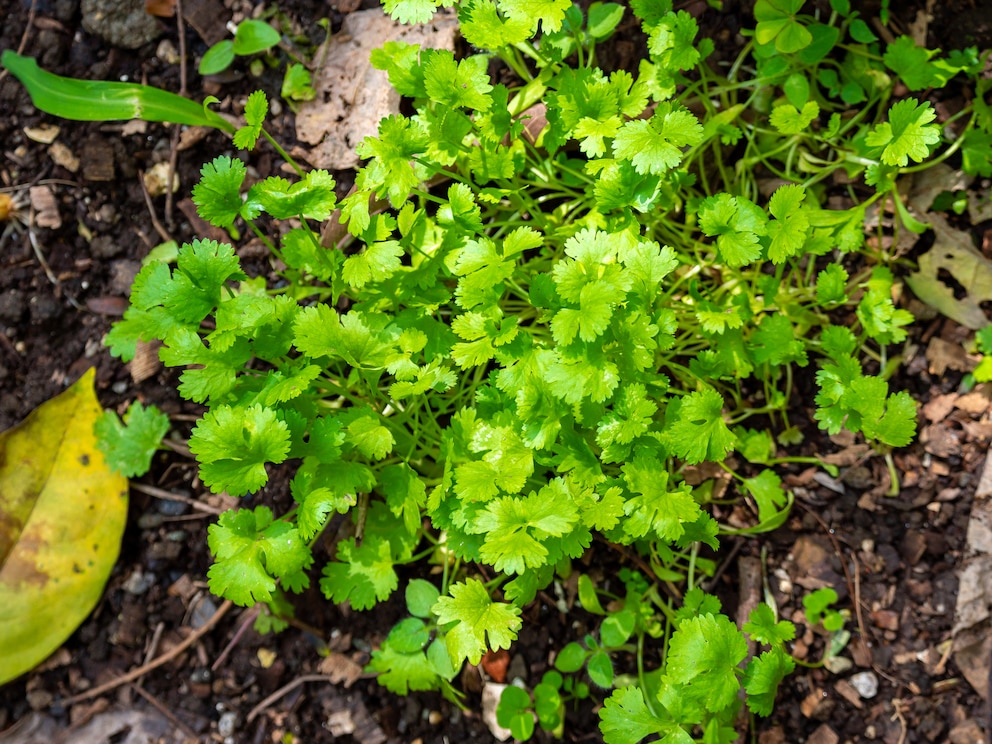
953,276
943,355
62,515
352,96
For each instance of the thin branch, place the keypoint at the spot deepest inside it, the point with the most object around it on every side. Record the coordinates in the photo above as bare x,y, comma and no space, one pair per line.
163,659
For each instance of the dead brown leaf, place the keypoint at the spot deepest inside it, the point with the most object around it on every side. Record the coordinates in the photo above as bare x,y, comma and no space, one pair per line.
352,96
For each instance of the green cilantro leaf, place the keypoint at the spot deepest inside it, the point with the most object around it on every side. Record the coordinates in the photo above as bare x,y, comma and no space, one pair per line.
654,509
976,153
482,26
699,432
474,617
515,528
128,448
550,13
361,575
375,264
762,677
790,228
400,670
464,83
626,719
762,627
831,285
256,108
774,341
250,549
907,134
703,655
655,145
777,23
312,198
772,500
233,445
910,62
411,11
400,140
218,194
789,120
737,223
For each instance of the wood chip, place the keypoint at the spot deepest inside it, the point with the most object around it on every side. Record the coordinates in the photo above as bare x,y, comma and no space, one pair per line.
823,735
846,691
146,363
62,156
45,207
97,157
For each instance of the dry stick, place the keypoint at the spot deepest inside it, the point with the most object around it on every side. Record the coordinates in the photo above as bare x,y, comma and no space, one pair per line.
249,619
285,689
162,232
152,650
852,588
174,148
160,707
163,659
24,36
161,493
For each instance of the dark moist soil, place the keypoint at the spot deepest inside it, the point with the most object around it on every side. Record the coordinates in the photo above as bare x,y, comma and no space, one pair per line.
894,560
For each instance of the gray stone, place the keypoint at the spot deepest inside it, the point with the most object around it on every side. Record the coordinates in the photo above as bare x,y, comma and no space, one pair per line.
123,23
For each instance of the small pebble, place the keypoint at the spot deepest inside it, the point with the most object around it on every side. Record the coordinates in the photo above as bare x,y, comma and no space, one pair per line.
139,582
203,611
177,536
170,508
149,521
227,724
866,683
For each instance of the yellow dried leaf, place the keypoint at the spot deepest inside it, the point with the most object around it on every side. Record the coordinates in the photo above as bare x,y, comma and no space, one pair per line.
62,515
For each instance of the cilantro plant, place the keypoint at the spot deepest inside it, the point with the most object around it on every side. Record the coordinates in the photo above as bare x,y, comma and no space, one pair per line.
547,307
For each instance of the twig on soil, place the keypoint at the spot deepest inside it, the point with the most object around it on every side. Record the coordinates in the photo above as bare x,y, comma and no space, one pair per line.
853,586
163,659
24,36
162,232
249,619
897,716
284,690
44,264
160,707
152,649
174,144
161,493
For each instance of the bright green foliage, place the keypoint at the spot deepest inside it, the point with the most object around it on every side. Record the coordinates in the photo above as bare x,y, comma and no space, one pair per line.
702,659
655,145
788,119
129,446
362,575
554,292
777,23
907,134
233,445
475,619
763,628
700,433
251,551
218,194
255,110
